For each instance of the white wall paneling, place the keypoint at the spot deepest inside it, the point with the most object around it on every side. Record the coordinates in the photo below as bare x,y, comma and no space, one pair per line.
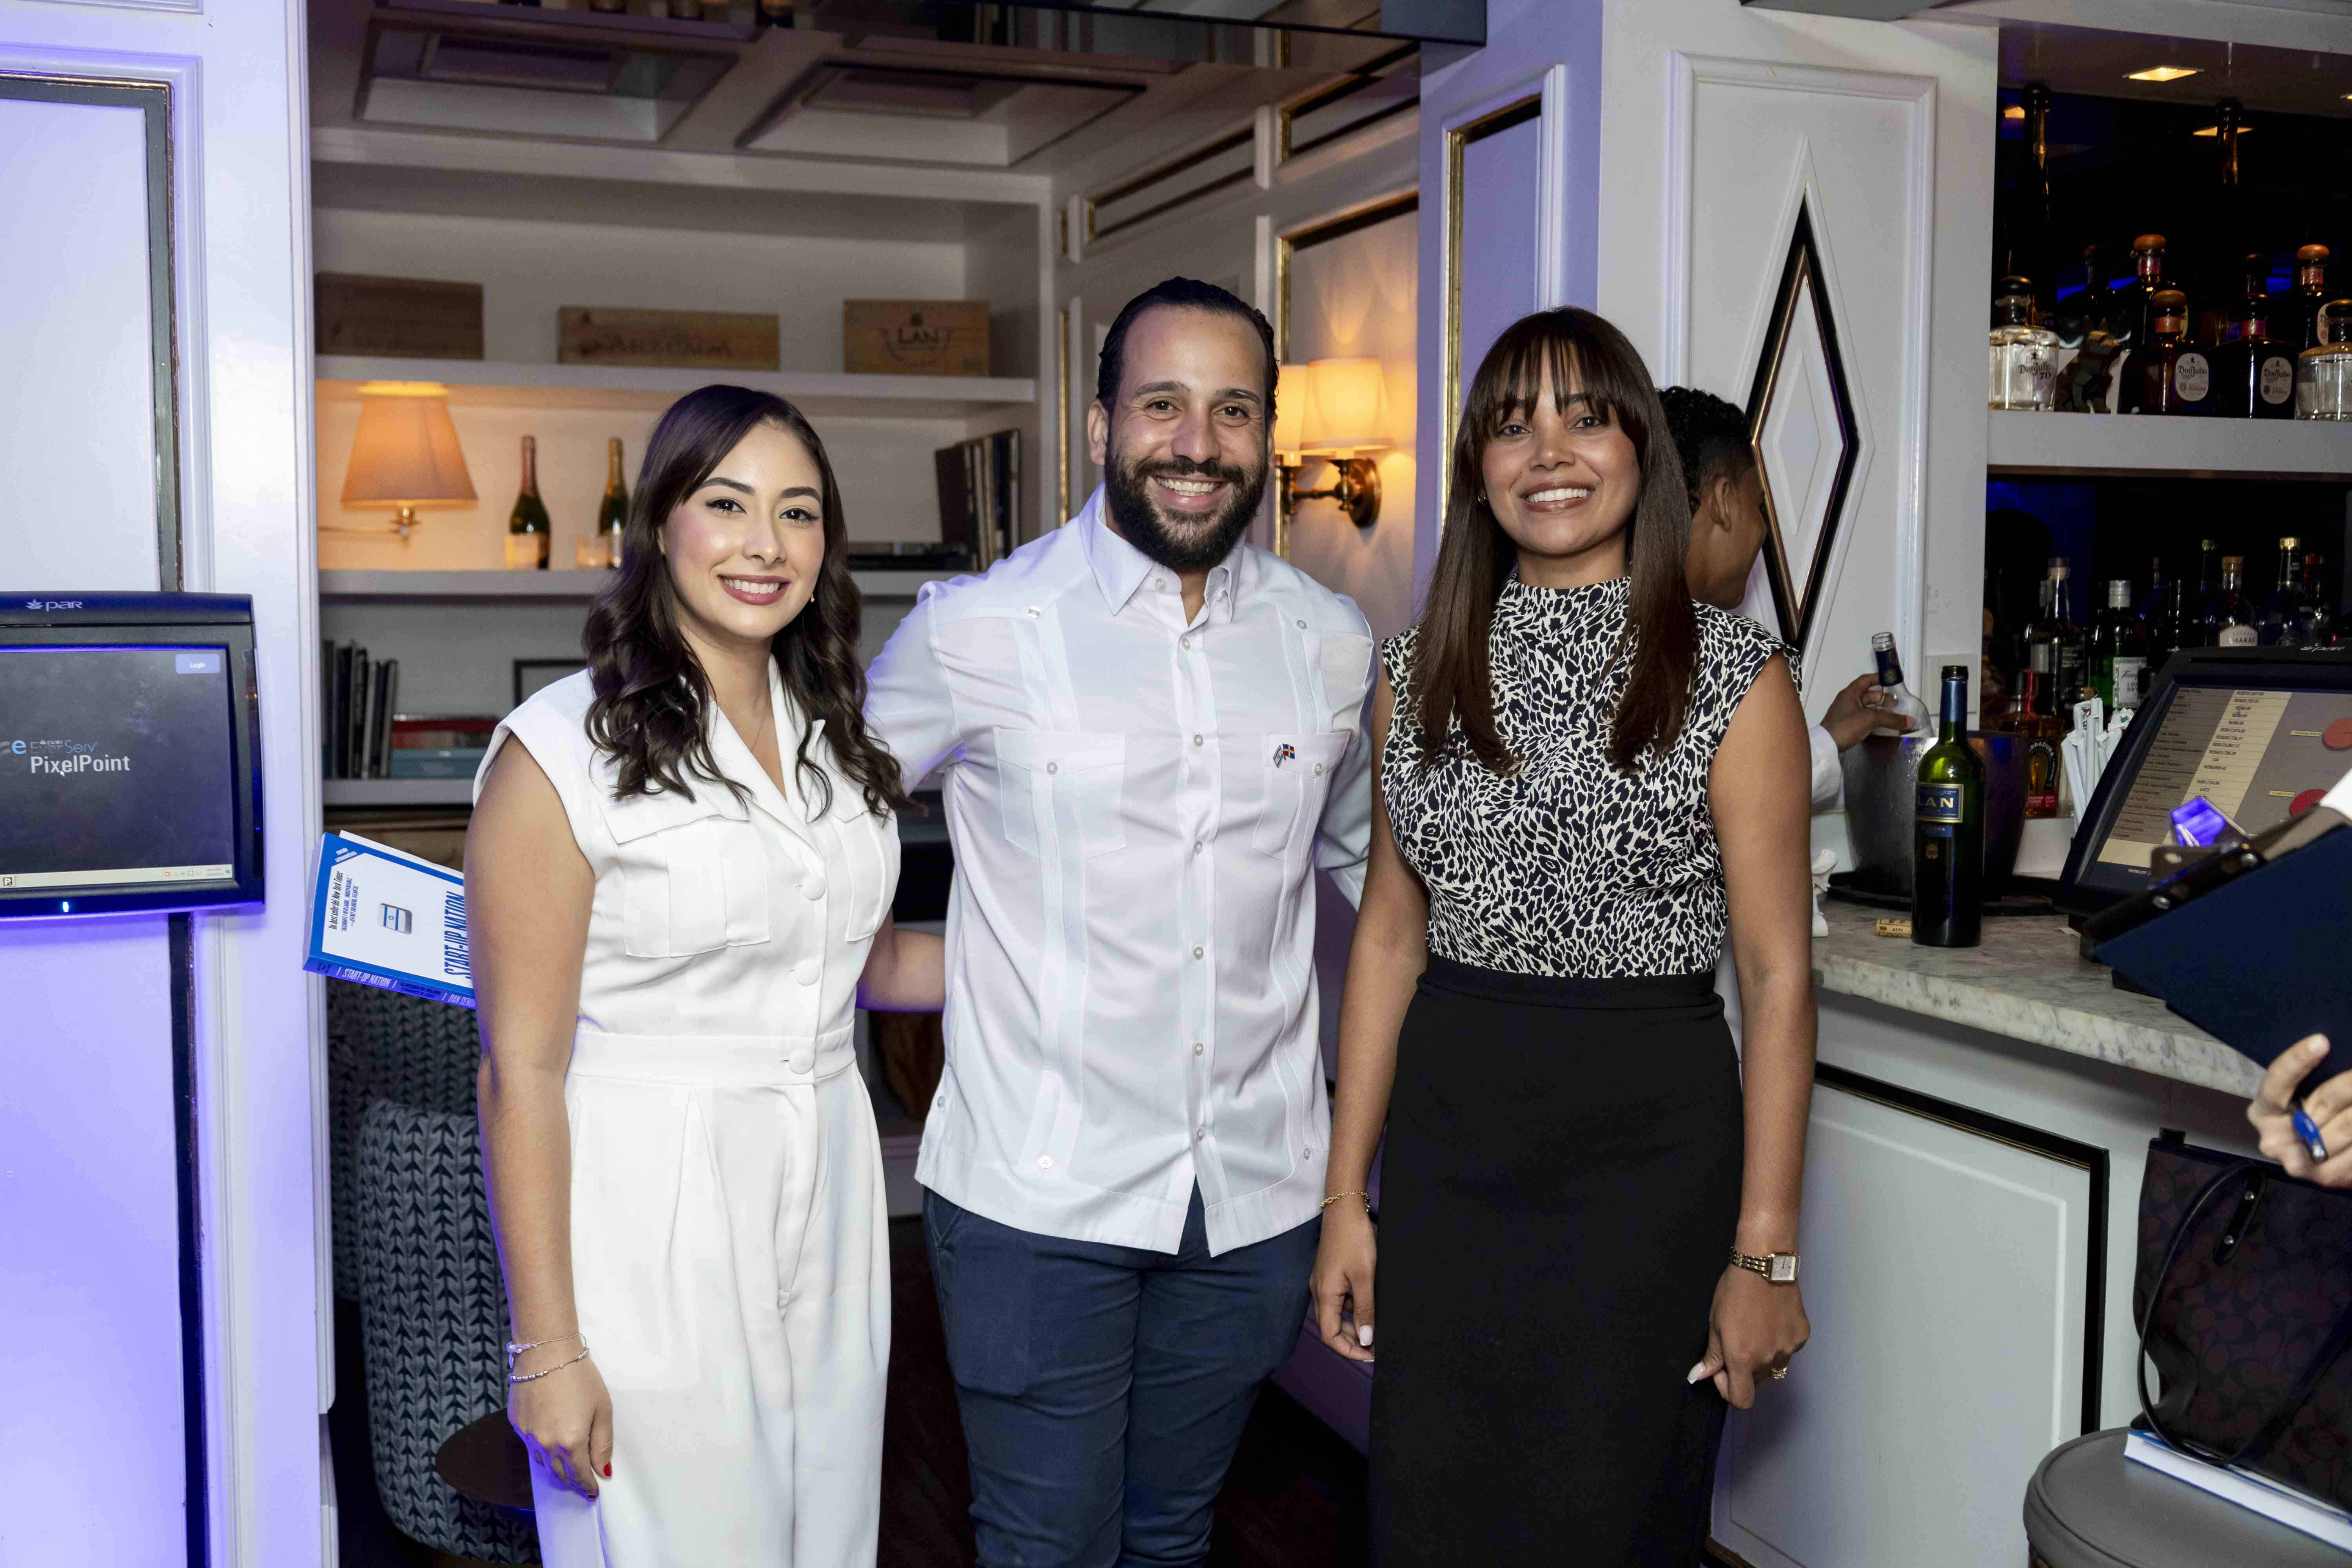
1907,1430
240,286
1510,148
1717,119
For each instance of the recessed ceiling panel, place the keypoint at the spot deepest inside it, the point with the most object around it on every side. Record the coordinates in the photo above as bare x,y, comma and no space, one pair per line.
846,109
604,88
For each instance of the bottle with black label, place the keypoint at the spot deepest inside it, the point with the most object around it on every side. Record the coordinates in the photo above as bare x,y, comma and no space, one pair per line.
2119,650
2055,646
1948,830
529,532
2287,619
2169,629
612,512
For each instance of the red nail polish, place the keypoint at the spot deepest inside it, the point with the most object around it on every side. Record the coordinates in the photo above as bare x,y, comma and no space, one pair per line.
608,1472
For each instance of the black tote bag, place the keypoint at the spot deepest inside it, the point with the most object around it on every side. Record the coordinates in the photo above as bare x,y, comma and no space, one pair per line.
2243,1299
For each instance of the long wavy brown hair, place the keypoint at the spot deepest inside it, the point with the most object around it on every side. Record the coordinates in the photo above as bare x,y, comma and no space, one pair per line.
1455,680
648,711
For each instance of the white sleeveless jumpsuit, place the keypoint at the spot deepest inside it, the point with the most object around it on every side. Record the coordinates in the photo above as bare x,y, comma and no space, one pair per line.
729,1253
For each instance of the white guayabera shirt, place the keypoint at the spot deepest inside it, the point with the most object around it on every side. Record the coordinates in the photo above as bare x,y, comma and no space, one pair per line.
1138,804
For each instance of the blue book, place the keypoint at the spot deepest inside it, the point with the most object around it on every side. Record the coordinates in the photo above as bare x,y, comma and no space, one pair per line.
2259,962
382,917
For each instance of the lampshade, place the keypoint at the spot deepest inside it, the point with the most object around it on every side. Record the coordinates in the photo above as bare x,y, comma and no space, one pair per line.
1293,389
406,449
1348,411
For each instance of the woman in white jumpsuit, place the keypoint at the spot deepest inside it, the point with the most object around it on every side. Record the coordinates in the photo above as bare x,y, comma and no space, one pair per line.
678,885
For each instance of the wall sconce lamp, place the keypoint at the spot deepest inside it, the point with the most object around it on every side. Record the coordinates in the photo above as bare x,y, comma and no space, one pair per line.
1335,409
405,455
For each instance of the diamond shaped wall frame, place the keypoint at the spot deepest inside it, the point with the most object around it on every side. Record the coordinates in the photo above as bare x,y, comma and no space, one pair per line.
1801,427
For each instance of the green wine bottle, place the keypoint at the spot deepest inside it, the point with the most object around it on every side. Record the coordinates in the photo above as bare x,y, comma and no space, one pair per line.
529,533
612,512
1948,830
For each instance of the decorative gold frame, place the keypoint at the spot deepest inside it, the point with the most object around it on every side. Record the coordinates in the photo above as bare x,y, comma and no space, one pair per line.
1458,137
1242,137
1064,449
1348,86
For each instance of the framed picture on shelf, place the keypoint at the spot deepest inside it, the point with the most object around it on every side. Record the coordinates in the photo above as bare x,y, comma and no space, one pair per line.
532,674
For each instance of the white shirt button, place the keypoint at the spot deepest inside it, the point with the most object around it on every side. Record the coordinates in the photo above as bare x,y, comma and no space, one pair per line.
800,1062
1319,768
1198,1047
1053,767
1196,740
812,886
941,1102
1160,582
1184,642
1035,612
808,971
1302,626
1197,846
1198,950
1200,1134
1045,1162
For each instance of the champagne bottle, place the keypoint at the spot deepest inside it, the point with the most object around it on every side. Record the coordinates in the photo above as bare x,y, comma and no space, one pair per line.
527,534
612,512
1948,830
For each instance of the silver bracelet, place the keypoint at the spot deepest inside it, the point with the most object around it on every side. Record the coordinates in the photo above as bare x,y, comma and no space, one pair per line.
559,1366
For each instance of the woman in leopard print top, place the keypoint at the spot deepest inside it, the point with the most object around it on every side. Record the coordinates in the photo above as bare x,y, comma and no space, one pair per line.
1586,782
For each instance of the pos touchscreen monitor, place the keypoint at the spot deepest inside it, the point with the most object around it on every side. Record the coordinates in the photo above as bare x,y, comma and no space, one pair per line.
2259,732
130,752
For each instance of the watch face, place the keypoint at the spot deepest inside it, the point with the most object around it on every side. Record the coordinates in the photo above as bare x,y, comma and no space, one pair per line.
1784,1268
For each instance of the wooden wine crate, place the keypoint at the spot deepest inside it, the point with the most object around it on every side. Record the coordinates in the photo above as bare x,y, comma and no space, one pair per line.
398,318
914,337
687,339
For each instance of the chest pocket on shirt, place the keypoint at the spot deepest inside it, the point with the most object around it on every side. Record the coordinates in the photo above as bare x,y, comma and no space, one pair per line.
1057,782
867,845
694,875
1295,777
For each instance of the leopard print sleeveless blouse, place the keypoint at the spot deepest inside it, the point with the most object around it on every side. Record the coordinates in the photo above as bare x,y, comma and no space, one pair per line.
1568,867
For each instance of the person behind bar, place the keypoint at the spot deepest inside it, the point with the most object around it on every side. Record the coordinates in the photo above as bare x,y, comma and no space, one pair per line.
1148,730
1589,1224
678,880
1727,500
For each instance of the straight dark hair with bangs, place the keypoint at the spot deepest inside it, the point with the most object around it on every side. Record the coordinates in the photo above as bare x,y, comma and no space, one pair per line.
1455,678
648,711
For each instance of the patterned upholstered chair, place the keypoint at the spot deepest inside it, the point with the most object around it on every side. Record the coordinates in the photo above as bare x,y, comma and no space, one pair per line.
413,1244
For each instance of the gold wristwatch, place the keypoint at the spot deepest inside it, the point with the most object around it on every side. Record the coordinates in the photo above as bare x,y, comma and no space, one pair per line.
1780,1268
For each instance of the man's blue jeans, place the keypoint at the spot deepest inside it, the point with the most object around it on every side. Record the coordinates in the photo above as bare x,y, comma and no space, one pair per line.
1105,1388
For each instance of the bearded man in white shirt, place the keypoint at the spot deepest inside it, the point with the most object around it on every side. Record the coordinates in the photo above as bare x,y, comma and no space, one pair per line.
1147,733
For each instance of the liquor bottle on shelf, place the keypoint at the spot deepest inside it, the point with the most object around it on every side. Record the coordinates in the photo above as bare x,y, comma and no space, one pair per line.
2119,651
2129,317
2217,274
527,532
2297,316
2254,373
2030,719
2174,375
2323,372
2054,648
2287,619
2229,619
2024,356
2086,310
612,512
2158,581
1948,830
2326,624
1894,697
2169,629
2208,587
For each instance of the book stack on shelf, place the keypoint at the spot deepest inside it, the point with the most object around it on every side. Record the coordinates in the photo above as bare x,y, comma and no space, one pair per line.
356,701
438,748
980,491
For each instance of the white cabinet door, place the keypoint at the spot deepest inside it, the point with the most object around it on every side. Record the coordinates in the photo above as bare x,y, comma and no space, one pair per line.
1720,127
1946,1273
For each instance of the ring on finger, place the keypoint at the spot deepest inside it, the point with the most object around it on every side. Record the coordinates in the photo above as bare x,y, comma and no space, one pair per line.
1779,1373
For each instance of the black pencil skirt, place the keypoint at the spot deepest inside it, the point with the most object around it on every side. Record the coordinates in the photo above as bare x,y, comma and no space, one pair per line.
1557,1202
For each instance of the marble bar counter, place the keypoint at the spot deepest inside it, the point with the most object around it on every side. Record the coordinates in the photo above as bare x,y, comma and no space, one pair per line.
2027,982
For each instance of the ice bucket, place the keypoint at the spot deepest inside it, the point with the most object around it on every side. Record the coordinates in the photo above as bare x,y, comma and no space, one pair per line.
1882,776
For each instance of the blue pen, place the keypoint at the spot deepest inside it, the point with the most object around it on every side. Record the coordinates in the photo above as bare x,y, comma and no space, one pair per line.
2308,1130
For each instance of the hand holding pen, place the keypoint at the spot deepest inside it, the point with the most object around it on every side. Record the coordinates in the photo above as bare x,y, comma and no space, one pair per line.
2310,1134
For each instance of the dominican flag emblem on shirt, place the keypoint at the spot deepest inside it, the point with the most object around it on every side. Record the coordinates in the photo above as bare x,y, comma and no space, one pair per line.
1284,754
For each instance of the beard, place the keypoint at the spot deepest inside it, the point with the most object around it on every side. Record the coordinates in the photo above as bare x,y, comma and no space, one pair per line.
1183,544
